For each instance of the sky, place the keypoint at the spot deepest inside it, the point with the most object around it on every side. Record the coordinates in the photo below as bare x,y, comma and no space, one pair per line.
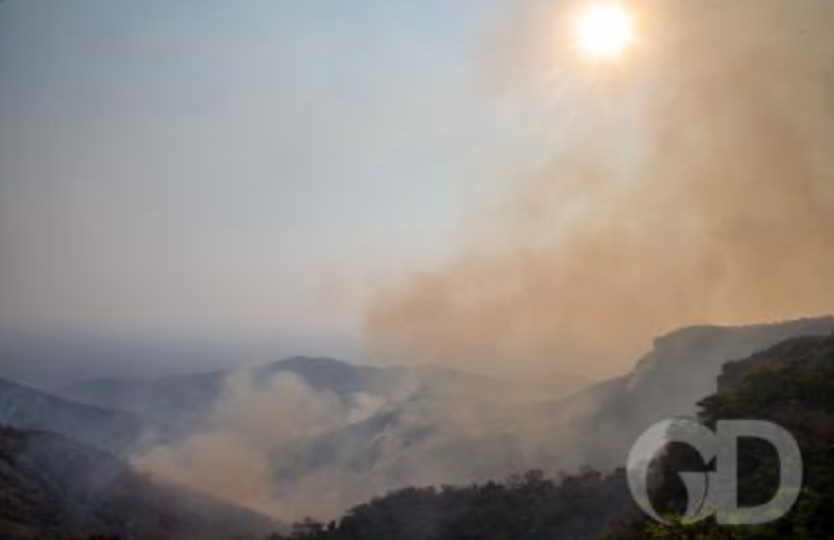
395,181
235,170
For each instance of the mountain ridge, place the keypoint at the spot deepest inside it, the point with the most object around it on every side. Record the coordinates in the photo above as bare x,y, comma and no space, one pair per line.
428,427
53,488
25,407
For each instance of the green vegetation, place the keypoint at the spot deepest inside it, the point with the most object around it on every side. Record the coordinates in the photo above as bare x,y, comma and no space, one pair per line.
791,385
525,507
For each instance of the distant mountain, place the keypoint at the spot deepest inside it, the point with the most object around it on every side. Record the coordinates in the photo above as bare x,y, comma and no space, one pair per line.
422,441
52,488
181,401
598,425
429,440
28,408
184,400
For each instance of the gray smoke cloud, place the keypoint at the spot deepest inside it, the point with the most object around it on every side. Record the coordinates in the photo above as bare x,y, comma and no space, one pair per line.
245,439
693,182
284,448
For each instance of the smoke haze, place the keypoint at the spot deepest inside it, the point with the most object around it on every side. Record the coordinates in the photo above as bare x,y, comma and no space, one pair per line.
694,183
247,431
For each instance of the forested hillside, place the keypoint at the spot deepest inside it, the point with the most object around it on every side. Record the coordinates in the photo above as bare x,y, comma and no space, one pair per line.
52,488
791,384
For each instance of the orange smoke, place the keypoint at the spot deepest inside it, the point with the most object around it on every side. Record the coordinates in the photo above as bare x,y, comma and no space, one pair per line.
696,188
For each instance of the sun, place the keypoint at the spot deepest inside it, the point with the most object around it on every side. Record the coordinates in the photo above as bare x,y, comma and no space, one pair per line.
604,30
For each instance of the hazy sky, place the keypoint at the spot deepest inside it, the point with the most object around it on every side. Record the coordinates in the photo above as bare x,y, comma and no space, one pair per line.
440,181
241,170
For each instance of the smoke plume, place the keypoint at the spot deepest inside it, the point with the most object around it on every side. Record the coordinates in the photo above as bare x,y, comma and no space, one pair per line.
247,436
693,182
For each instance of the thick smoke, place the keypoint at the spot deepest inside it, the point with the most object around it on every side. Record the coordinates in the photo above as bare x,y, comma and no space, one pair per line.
288,449
247,437
693,183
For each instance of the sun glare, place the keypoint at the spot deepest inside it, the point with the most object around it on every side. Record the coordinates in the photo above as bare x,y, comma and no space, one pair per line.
604,30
